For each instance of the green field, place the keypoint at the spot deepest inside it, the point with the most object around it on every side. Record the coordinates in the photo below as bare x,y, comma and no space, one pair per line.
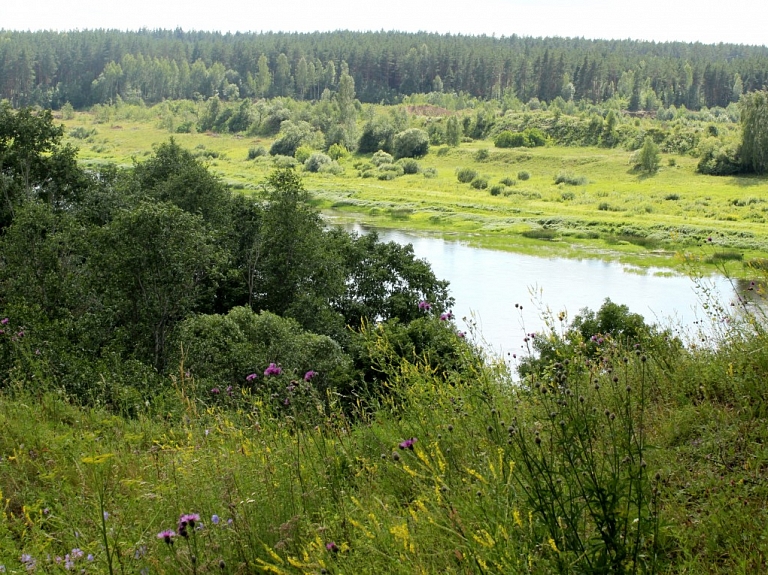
614,213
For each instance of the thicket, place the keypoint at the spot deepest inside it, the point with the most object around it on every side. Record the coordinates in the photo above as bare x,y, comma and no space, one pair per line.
129,273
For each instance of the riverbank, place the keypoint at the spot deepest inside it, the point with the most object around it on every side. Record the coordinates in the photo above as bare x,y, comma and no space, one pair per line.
600,209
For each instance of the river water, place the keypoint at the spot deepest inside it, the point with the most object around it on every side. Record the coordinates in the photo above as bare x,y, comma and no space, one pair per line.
487,284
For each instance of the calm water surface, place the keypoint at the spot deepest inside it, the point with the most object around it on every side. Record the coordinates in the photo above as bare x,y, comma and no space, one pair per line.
487,284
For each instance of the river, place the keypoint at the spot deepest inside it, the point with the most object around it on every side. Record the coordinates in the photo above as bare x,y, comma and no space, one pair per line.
487,285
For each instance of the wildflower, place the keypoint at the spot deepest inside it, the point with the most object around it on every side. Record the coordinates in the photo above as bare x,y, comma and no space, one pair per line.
90,557
76,553
188,519
273,370
4,321
105,515
251,377
167,536
461,334
215,391
215,519
229,390
286,402
408,443
425,305
446,316
309,375
332,547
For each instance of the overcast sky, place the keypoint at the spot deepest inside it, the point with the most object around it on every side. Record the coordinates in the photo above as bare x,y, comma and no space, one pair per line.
708,21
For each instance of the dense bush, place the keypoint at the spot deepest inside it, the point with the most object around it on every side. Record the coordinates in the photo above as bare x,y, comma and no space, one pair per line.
523,175
411,143
466,175
479,183
409,165
570,179
381,157
316,162
256,152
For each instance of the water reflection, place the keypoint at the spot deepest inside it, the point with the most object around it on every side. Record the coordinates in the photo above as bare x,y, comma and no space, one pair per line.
487,284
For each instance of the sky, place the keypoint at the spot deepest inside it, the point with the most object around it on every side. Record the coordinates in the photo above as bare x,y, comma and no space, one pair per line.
707,21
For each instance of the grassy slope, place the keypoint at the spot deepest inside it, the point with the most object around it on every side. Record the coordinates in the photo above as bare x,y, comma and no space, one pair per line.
617,215
452,505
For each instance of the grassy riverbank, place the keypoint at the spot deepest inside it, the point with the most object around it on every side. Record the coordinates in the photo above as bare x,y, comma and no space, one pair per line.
609,211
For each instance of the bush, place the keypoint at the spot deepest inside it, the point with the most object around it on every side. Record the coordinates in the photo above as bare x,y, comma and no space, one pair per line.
430,173
523,175
570,179
466,175
481,155
316,162
508,139
411,143
497,189
389,171
381,157
479,183
256,152
509,182
302,154
337,152
284,162
409,165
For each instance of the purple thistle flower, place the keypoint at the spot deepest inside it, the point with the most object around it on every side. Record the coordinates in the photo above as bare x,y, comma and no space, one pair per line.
251,377
332,547
408,443
215,391
309,375
425,305
189,519
167,536
461,334
4,321
272,370
229,390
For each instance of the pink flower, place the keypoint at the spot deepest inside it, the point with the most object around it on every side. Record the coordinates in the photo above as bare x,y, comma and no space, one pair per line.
167,536
408,443
309,375
272,370
251,377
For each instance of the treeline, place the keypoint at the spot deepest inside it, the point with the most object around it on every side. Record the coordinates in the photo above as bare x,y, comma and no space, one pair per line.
89,67
134,273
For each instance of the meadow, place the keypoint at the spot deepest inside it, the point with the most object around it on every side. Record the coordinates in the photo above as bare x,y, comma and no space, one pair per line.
600,207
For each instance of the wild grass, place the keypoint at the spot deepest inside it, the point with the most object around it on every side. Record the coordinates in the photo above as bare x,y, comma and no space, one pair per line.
620,458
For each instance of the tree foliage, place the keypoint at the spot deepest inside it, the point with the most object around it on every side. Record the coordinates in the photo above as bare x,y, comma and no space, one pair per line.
754,126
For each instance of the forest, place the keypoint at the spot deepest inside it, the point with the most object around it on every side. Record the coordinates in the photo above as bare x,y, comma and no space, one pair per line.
90,67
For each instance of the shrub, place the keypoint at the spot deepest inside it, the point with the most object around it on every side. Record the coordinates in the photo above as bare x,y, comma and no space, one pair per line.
509,182
284,161
508,139
316,161
497,189
466,175
523,175
672,197
411,143
82,133
479,183
381,157
337,152
443,151
570,179
302,154
256,152
389,171
482,155
540,234
430,173
409,165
